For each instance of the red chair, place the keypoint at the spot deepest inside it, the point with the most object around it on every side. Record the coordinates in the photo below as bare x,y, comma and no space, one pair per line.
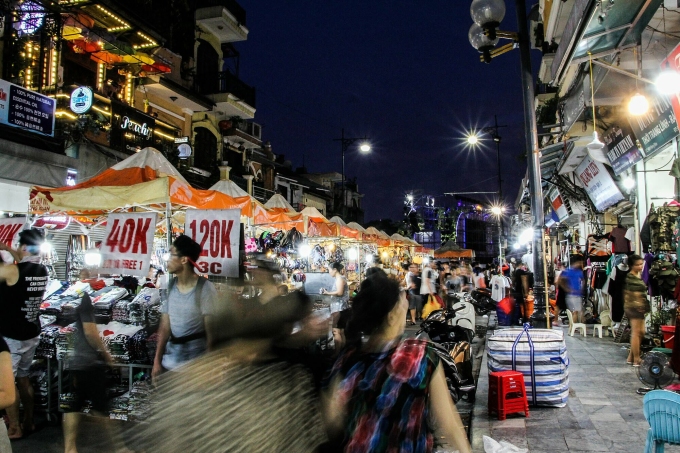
507,394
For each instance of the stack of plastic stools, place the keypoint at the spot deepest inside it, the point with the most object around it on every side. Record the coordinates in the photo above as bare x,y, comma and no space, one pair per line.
507,394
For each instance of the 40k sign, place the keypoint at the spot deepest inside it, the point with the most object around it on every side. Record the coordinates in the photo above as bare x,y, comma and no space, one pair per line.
217,232
127,247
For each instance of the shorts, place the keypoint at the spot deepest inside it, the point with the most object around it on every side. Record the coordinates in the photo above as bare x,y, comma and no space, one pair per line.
574,302
178,354
415,302
22,353
88,385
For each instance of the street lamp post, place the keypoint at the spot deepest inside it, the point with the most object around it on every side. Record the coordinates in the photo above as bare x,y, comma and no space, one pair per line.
345,143
473,139
487,15
498,212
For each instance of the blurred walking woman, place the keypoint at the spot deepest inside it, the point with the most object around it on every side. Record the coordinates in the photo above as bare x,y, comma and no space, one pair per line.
636,306
7,392
386,394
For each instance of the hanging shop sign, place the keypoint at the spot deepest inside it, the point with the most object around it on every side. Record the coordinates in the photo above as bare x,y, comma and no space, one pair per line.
127,247
598,184
81,100
559,209
26,109
9,227
622,151
217,232
59,222
672,62
656,127
131,129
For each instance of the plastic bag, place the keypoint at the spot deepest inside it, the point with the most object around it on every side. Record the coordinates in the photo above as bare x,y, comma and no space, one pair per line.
430,306
491,446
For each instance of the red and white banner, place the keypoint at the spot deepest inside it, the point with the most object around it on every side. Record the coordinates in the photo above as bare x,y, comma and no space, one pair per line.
127,247
9,227
217,232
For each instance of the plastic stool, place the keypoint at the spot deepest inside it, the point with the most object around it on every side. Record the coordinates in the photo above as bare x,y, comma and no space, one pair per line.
507,394
597,328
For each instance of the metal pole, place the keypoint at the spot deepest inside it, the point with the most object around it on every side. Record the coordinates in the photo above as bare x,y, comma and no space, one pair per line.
498,159
343,145
533,156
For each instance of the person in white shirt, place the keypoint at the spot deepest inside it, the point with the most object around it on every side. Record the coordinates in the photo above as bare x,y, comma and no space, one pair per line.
499,285
429,276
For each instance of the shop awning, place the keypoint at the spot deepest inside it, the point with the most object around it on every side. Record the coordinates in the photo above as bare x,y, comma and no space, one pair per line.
601,28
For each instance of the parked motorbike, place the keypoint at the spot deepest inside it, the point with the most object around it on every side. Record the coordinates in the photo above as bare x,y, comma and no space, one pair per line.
451,342
482,301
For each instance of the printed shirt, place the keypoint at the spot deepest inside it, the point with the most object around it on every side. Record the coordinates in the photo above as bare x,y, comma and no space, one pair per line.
386,396
498,287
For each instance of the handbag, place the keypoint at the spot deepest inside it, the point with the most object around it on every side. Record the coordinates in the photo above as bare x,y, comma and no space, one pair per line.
430,306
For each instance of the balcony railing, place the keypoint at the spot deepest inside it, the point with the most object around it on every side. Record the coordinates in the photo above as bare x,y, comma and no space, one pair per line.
262,194
229,83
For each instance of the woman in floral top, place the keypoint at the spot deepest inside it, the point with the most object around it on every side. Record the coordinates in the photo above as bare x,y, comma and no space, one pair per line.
388,394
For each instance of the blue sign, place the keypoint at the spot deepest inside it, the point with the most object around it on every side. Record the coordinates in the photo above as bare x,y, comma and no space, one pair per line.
26,109
622,151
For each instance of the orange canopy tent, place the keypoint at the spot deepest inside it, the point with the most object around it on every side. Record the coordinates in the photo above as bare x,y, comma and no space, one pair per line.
143,179
452,250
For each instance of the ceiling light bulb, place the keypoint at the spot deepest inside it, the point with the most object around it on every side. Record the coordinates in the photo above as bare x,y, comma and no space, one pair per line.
668,82
638,105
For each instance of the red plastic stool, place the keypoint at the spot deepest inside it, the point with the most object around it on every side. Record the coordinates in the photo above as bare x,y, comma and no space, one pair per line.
507,394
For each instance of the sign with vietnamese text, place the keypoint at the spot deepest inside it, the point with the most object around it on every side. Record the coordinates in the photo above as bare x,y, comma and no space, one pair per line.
622,151
9,227
217,232
598,184
127,247
26,109
656,127
672,63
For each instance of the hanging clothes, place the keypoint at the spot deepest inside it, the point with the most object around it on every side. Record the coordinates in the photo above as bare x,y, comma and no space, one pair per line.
617,281
598,248
620,243
661,223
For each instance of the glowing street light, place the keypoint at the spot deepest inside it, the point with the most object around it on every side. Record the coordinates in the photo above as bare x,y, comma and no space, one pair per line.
365,148
472,139
496,210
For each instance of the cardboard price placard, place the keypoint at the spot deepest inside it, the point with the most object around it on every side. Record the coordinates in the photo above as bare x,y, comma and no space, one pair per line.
9,228
128,243
217,232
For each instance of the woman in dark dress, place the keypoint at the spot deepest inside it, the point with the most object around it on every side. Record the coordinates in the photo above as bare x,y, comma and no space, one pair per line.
635,305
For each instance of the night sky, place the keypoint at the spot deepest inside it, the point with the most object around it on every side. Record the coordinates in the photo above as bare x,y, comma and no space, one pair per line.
400,72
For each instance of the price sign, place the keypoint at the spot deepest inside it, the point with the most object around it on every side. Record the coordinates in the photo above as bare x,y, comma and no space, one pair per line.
127,247
217,232
9,228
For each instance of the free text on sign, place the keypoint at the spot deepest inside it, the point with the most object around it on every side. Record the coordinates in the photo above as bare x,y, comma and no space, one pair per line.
127,247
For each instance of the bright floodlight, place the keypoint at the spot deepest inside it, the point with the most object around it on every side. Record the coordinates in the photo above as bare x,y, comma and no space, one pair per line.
352,254
472,139
668,82
629,183
45,247
369,258
516,246
526,236
638,105
93,257
305,250
409,197
365,147
426,260
496,210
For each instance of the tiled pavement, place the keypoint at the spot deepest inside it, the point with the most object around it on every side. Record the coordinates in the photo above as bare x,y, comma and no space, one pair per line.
603,412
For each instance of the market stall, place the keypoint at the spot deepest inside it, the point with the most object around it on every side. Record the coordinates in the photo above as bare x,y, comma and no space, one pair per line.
451,250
